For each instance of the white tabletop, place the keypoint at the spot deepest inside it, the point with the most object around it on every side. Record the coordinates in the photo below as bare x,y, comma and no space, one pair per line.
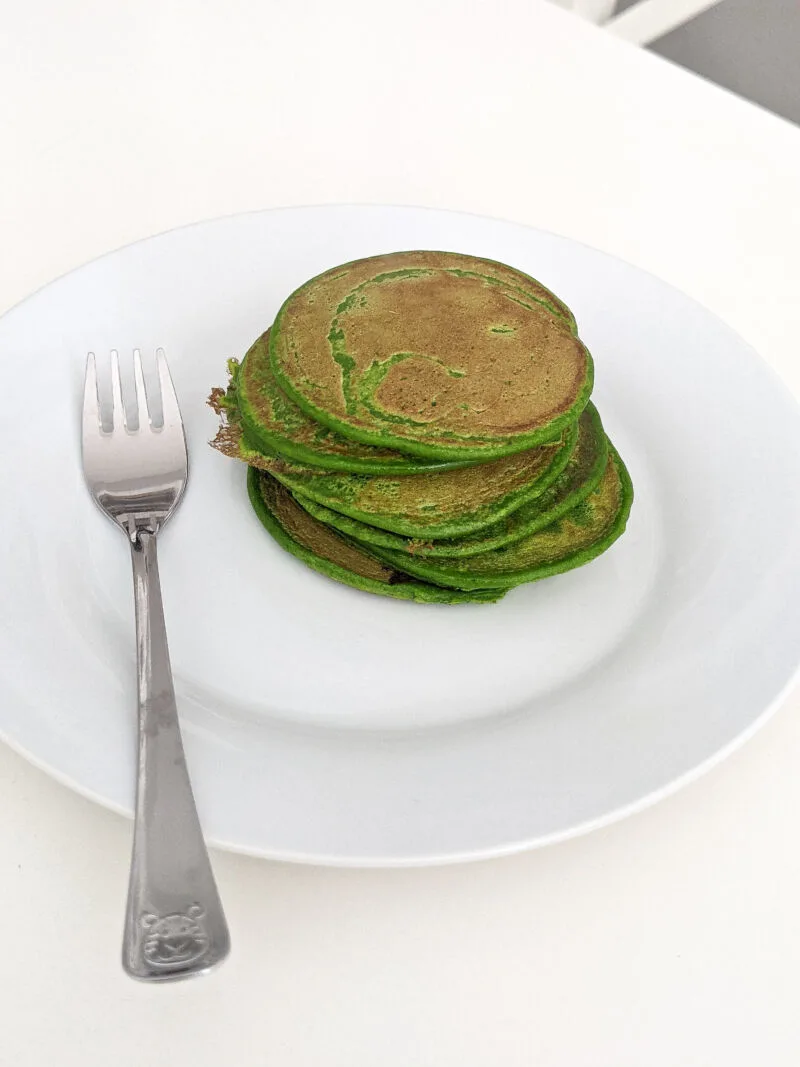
670,939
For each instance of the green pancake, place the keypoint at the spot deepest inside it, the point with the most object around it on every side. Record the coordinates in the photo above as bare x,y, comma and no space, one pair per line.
430,506
436,354
580,476
325,551
580,536
274,425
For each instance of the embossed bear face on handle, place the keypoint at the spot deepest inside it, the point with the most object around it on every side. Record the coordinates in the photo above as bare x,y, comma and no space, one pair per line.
174,939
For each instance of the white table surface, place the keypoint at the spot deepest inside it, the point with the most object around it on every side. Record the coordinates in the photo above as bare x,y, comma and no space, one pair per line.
669,940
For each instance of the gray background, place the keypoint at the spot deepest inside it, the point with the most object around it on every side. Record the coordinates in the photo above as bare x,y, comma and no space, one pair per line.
749,46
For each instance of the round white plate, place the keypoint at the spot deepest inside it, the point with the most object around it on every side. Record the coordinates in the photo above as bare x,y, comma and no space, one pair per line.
329,725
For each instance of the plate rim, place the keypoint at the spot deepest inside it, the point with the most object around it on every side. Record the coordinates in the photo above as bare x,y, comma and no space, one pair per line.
444,859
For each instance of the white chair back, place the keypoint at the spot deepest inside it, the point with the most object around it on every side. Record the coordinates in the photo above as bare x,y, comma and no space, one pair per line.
642,22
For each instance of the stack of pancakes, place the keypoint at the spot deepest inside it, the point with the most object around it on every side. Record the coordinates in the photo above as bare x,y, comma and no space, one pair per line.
419,425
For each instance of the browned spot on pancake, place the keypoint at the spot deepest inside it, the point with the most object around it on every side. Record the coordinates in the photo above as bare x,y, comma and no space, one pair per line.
215,401
230,442
321,539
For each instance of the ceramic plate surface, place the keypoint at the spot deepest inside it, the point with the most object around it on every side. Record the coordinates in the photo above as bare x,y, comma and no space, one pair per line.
329,725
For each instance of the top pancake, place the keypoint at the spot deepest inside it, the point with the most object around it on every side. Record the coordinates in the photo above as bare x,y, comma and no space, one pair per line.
433,353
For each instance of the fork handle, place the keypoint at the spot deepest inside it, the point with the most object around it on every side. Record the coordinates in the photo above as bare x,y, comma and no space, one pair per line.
174,923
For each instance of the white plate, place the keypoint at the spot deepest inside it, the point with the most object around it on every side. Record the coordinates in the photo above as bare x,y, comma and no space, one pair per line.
329,725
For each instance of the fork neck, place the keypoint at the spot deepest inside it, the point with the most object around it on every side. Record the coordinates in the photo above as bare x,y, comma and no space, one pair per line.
139,527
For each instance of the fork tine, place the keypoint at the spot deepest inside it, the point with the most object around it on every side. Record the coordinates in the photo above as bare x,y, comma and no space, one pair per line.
142,406
169,401
117,409
92,422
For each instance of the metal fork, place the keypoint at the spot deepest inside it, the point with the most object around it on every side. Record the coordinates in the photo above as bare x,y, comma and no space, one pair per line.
136,472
